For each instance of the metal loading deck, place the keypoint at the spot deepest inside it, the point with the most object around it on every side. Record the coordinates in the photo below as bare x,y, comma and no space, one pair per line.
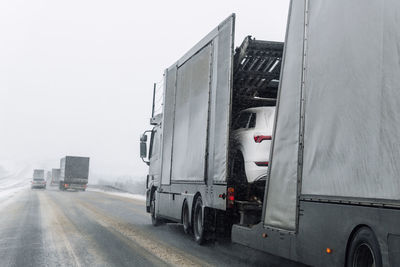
256,71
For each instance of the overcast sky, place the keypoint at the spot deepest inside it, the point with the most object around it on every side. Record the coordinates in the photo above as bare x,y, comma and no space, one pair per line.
76,76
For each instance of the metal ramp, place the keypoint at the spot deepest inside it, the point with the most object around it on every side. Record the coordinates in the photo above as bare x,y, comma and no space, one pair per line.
256,69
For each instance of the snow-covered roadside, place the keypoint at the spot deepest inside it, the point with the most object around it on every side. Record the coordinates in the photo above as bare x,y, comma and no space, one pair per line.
14,178
120,194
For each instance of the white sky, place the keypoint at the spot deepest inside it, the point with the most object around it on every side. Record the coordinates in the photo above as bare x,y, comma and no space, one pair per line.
76,76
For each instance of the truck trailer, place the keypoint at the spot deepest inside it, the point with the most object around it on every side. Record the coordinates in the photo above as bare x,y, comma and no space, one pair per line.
332,193
55,176
74,173
190,153
38,179
38,174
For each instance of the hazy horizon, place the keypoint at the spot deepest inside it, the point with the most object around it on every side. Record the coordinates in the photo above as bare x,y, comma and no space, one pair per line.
76,77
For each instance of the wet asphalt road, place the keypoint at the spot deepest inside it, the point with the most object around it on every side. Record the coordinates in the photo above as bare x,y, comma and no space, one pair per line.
54,228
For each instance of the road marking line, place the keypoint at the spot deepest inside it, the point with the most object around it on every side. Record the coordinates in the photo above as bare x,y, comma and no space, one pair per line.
56,216
171,255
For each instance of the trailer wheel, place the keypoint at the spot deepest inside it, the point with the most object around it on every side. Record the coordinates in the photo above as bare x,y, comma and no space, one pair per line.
198,222
185,218
154,220
364,250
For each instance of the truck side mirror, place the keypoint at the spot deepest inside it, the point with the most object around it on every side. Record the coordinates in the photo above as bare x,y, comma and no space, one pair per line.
143,138
143,146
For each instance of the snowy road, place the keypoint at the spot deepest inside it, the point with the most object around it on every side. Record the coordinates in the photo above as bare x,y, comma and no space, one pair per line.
53,228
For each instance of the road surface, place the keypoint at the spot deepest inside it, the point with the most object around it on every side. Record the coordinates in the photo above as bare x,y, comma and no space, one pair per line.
54,228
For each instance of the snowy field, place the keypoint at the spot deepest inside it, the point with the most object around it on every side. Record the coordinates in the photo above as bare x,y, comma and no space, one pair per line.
14,178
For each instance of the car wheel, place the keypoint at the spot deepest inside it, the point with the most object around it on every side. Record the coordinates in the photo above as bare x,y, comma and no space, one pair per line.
198,222
185,218
364,250
154,220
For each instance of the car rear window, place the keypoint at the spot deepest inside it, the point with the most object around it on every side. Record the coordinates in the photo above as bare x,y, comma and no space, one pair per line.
252,120
245,120
241,121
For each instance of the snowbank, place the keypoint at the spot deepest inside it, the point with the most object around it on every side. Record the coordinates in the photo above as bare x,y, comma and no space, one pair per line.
14,177
120,194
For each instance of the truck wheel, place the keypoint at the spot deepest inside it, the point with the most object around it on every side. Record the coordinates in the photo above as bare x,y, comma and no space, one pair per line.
154,220
198,222
364,250
185,218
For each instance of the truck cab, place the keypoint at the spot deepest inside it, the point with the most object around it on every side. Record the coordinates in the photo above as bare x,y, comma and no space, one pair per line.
150,152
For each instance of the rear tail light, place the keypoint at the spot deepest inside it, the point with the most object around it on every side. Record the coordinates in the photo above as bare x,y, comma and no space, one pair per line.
262,163
260,138
231,197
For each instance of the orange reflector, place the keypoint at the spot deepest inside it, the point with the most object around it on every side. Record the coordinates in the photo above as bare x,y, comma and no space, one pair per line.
264,235
231,197
328,250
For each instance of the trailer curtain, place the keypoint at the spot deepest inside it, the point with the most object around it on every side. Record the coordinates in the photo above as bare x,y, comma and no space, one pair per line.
352,114
281,199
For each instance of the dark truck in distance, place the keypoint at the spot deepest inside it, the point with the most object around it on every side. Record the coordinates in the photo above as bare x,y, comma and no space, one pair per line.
74,173
38,180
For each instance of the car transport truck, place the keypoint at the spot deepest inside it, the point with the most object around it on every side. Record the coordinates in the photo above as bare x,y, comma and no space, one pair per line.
332,193
74,173
190,155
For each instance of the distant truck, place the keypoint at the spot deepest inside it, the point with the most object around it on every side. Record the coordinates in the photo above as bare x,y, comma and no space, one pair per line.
48,176
55,176
74,173
38,180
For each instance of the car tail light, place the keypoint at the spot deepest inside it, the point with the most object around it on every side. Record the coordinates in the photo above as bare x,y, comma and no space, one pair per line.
260,138
262,163
231,197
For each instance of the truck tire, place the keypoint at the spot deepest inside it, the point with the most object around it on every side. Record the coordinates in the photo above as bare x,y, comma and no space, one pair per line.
364,250
154,220
185,218
198,222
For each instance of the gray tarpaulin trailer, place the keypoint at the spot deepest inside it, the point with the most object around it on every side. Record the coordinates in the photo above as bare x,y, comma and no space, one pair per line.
38,174
55,176
333,196
189,177
74,173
